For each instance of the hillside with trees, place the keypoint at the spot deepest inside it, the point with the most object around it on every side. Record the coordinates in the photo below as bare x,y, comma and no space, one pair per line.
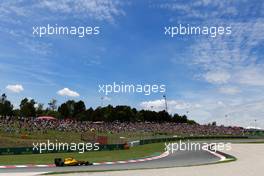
76,110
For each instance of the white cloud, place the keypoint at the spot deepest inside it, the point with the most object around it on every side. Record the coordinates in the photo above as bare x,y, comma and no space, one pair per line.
208,9
251,75
174,106
156,105
102,10
199,111
243,114
234,62
232,59
36,47
106,98
229,90
218,77
23,12
222,110
68,92
10,10
96,9
16,88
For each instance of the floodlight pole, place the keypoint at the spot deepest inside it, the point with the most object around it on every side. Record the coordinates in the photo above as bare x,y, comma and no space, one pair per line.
166,105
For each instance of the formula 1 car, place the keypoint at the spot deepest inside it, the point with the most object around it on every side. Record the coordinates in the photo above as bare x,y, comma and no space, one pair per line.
59,162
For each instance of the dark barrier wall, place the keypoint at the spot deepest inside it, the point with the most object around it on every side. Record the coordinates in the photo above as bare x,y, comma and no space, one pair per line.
29,150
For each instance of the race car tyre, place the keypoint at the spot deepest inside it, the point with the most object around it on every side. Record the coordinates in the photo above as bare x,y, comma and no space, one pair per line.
58,162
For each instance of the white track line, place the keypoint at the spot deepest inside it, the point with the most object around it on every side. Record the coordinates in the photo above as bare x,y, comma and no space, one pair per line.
222,157
135,160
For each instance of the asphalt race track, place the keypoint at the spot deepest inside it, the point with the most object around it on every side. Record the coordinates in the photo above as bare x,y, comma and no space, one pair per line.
179,158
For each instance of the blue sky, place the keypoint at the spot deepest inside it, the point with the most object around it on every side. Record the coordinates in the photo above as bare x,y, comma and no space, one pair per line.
209,77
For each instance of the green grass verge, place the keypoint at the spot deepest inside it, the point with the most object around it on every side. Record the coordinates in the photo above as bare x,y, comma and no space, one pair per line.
96,156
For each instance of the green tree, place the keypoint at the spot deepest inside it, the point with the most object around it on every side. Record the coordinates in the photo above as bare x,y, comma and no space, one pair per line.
6,108
67,109
88,113
79,108
27,108
39,109
63,110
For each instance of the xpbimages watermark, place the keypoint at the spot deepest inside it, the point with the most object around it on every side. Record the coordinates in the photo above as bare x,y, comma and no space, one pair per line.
185,30
196,146
79,31
47,146
146,89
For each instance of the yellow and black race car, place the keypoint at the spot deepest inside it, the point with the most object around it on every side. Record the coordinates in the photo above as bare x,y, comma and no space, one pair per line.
59,162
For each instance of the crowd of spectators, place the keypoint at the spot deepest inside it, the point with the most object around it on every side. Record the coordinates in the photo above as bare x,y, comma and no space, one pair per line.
31,125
